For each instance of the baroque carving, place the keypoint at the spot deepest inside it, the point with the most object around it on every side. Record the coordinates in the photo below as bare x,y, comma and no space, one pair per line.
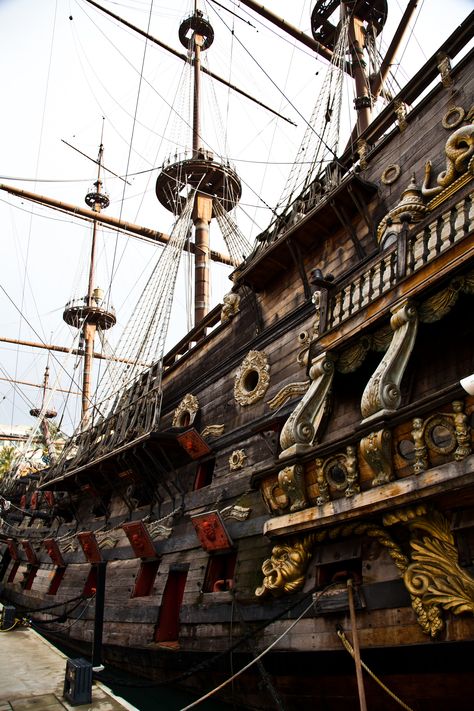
444,433
444,67
459,150
431,573
337,473
287,393
411,203
382,392
302,427
440,304
237,460
230,306
252,378
401,113
212,431
391,174
292,483
376,449
239,513
185,413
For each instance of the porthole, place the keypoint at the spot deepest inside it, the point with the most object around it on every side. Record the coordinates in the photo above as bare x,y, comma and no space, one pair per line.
406,449
439,436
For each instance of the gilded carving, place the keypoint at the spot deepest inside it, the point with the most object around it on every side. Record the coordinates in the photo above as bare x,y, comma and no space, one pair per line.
237,460
459,150
440,304
362,150
444,433
421,453
376,449
431,574
400,109
185,413
230,306
284,571
292,483
287,393
322,483
304,339
212,431
252,378
382,392
444,67
411,203
301,428
337,473
453,117
390,174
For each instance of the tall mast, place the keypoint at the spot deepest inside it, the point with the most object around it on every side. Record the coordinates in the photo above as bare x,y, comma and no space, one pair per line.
90,312
209,179
45,415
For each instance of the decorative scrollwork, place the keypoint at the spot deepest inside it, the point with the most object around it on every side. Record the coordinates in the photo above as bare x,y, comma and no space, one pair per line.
287,393
292,483
336,474
432,574
443,433
301,428
252,378
459,150
212,431
237,460
185,413
376,449
383,389
230,306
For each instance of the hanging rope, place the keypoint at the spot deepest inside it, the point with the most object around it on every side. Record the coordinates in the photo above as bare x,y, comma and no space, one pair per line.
348,647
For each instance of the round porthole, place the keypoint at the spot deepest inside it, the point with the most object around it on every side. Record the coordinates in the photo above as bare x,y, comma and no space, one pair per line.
336,474
406,449
252,379
440,437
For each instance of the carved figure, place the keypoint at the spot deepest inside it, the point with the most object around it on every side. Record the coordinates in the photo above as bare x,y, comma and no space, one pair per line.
285,570
459,150
291,481
230,306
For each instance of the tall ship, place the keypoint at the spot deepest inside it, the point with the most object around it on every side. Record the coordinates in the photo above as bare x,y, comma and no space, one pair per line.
275,511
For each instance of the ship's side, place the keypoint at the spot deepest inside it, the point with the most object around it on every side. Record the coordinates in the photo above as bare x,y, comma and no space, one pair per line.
314,430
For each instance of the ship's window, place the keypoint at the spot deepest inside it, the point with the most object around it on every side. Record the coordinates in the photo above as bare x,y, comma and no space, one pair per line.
13,571
442,437
184,420
145,578
29,577
204,473
90,588
406,449
56,580
220,572
388,240
337,476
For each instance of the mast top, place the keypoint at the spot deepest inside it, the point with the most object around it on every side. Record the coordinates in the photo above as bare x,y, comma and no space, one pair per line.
373,12
196,24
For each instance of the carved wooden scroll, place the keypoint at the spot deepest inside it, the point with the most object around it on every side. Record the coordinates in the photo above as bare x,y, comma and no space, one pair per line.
382,393
301,428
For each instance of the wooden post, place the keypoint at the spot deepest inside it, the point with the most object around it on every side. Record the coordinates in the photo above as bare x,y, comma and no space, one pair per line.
355,644
99,616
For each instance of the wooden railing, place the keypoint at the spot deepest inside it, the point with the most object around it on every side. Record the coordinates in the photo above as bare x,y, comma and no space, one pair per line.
412,250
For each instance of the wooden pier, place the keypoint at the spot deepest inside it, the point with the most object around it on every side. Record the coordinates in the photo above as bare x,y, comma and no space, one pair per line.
32,675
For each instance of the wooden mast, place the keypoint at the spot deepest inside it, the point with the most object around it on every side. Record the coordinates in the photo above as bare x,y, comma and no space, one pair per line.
202,211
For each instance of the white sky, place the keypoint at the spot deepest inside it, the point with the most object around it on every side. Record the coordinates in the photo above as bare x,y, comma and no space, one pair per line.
61,76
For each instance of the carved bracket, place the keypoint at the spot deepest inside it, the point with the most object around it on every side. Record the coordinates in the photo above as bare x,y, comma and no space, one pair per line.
432,574
291,481
301,428
382,393
376,449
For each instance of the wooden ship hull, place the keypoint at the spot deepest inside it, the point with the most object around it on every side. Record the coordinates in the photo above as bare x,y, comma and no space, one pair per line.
314,431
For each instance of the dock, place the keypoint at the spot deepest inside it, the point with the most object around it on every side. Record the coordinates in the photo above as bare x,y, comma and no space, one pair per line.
32,675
